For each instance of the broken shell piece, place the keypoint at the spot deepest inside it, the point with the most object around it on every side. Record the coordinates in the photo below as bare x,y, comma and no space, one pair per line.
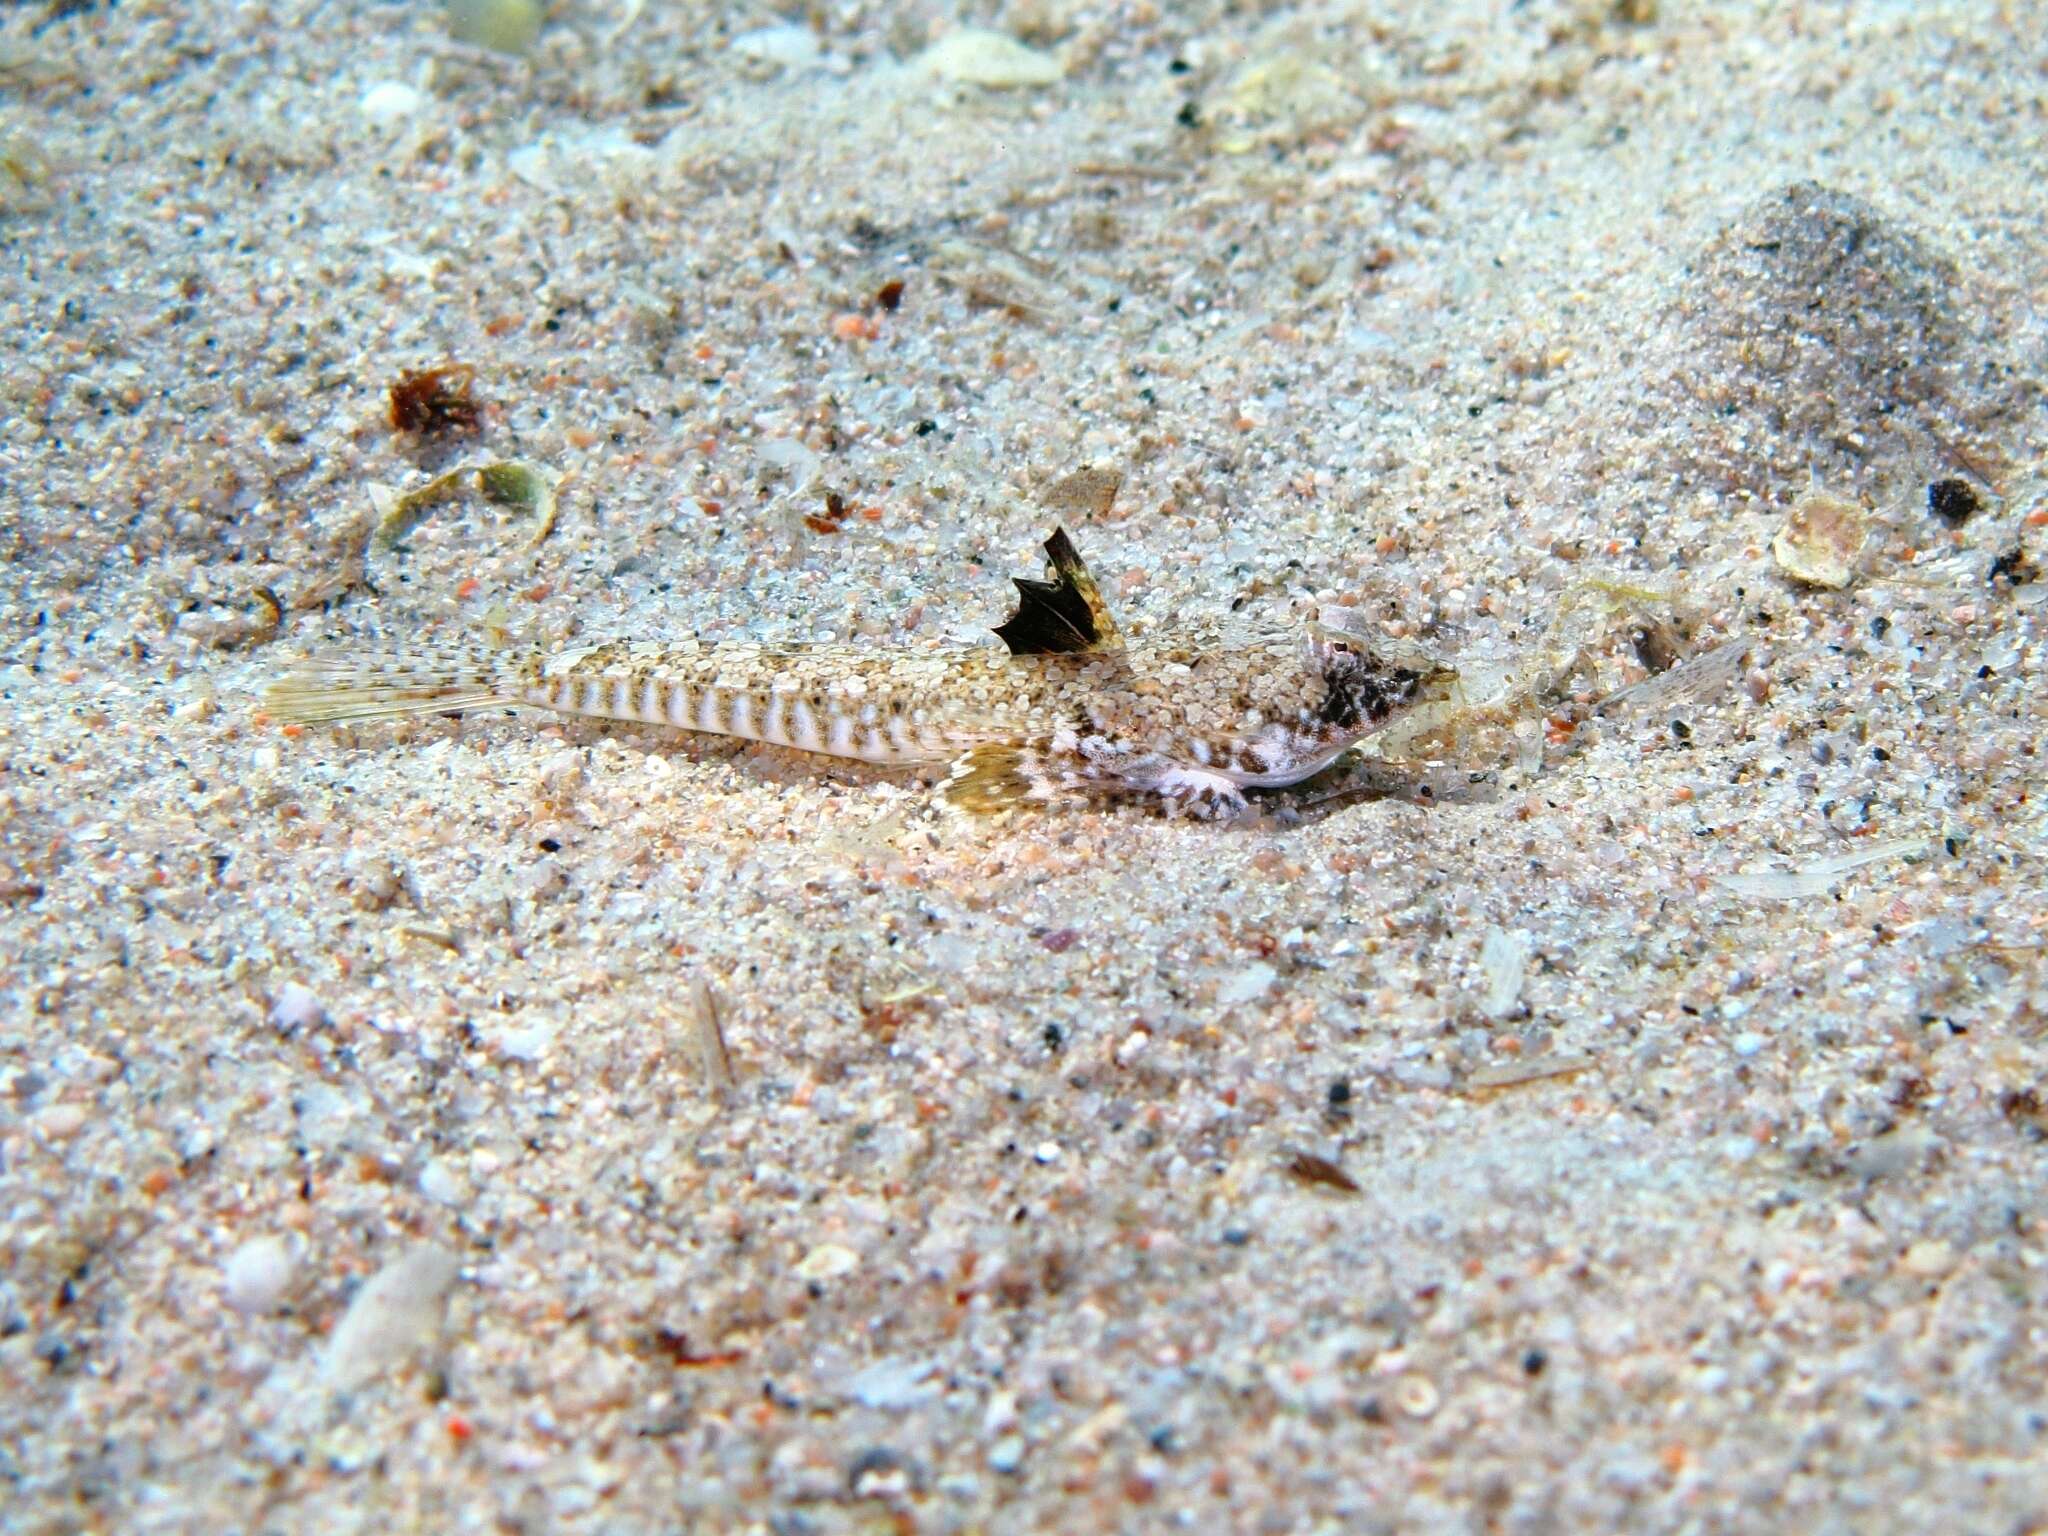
1821,539
827,1261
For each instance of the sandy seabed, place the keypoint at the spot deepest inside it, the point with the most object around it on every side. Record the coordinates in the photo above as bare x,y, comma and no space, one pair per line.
511,1124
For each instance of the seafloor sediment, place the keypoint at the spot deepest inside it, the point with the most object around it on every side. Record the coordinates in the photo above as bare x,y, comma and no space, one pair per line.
1625,1112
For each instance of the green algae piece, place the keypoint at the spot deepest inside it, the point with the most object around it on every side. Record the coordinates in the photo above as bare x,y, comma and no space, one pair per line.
503,26
510,483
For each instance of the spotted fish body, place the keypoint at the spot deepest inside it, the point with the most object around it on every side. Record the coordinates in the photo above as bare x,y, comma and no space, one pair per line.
1069,711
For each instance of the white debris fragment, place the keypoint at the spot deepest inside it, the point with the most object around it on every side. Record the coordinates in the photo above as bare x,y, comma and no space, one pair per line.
295,1007
395,1313
1818,878
1503,960
784,47
390,101
894,1384
440,1183
978,56
827,1261
1248,985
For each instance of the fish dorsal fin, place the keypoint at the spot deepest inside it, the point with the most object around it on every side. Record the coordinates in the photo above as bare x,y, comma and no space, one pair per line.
1063,616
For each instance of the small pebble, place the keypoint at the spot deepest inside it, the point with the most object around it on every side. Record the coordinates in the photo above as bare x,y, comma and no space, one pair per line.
1007,1454
295,1007
1930,1258
441,1183
827,1261
61,1122
1748,1044
895,1385
390,101
1046,1153
257,1273
1248,985
785,47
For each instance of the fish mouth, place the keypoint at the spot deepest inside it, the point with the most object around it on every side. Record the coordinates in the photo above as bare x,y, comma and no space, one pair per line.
1435,683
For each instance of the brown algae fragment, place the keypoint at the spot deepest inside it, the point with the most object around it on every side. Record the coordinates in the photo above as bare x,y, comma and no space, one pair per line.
435,400
25,164
1310,1168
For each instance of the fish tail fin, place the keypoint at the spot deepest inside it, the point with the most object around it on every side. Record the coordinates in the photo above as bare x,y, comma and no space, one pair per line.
396,685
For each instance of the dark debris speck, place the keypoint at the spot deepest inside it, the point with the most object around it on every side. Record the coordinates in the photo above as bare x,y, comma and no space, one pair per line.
1952,501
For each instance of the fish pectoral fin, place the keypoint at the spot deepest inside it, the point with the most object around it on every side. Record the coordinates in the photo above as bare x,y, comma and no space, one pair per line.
1003,776
999,776
1064,616
1181,790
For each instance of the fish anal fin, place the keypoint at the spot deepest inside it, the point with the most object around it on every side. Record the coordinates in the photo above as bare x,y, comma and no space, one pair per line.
1064,616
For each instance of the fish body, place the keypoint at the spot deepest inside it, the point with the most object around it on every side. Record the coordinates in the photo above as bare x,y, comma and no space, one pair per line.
1068,711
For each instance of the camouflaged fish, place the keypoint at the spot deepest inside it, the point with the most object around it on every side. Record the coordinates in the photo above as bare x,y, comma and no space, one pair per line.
1069,712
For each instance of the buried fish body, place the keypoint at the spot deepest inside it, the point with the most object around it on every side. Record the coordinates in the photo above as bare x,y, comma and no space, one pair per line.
1070,711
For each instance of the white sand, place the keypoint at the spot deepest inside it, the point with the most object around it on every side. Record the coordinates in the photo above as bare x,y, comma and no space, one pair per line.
1678,1206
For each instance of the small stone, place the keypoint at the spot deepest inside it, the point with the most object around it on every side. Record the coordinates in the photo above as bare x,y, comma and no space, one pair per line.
827,1261
1748,1044
439,1182
784,47
1421,1073
978,56
1930,1258
527,1044
61,1122
390,101
1248,985
395,1313
1046,1153
895,1385
257,1274
294,1007
1133,1047
1007,1454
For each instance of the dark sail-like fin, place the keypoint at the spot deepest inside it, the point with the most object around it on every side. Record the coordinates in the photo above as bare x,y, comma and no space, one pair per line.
1063,616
